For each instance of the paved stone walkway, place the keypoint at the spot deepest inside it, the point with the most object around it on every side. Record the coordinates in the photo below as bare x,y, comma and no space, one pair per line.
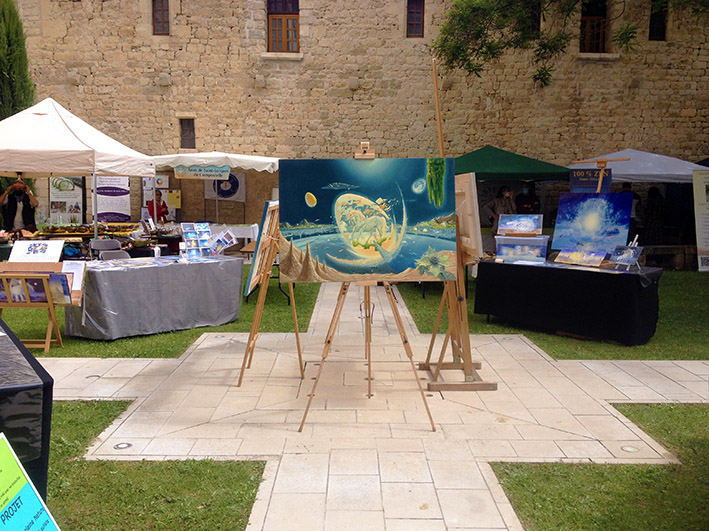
375,464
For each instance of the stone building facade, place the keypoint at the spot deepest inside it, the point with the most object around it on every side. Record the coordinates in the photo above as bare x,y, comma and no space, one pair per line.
357,77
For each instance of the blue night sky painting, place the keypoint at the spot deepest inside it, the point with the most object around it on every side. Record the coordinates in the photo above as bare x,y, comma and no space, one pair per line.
380,219
592,222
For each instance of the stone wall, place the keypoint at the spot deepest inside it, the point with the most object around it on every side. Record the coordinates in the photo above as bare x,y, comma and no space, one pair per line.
358,78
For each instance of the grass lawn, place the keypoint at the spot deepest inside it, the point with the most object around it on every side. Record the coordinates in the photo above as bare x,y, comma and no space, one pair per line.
277,317
602,497
682,333
118,495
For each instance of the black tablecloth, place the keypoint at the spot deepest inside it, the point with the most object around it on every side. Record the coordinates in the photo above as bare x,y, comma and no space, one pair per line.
597,303
25,407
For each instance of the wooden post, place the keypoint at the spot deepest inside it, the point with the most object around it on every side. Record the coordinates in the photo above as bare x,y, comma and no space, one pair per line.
441,149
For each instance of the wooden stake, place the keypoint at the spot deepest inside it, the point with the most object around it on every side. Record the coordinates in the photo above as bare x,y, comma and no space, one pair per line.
441,149
297,332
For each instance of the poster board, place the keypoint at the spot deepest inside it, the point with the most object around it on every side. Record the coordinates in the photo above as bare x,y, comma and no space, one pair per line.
233,188
21,506
586,180
700,179
468,213
113,199
266,234
66,200
359,220
511,224
36,251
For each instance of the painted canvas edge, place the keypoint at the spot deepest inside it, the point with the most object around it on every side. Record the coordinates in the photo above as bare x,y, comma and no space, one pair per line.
252,281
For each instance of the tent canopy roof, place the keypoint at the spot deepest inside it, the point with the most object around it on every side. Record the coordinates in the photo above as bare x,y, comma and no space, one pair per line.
491,163
216,158
46,140
645,167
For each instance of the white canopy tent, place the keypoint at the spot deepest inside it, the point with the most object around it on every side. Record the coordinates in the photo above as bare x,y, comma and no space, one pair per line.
218,159
645,167
46,140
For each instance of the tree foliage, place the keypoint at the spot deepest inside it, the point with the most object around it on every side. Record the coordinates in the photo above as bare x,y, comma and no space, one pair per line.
17,91
477,32
16,87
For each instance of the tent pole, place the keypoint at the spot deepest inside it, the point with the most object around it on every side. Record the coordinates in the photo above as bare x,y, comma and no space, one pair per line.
94,200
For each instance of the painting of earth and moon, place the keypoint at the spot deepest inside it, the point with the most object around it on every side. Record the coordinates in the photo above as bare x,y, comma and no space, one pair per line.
356,220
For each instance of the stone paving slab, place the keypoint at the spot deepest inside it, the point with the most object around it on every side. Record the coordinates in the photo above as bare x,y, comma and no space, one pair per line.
375,462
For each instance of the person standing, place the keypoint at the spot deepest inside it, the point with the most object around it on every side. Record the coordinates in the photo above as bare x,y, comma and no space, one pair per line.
502,204
18,207
526,201
162,210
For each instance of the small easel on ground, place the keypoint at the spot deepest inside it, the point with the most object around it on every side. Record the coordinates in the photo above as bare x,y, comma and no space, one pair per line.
269,240
8,282
367,341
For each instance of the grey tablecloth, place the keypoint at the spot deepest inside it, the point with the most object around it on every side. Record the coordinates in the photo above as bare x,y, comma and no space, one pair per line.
133,301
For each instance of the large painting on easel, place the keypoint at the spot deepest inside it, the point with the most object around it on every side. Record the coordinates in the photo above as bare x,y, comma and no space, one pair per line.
380,219
267,231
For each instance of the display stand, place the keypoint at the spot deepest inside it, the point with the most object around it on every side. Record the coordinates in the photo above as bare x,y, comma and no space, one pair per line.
367,342
53,336
270,240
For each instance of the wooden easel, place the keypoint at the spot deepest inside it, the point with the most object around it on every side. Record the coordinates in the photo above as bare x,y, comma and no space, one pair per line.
271,241
367,341
468,252
53,336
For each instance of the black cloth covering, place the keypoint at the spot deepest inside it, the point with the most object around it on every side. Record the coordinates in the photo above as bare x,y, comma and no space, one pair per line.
604,304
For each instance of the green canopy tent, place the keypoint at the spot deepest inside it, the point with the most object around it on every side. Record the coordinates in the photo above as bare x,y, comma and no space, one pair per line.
493,164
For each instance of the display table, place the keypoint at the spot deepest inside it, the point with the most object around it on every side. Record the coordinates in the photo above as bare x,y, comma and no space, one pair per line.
124,298
596,303
25,407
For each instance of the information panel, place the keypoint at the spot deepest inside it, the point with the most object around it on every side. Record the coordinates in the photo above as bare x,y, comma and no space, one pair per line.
701,216
21,507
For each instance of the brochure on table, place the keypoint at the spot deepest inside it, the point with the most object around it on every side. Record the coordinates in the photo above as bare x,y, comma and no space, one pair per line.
201,243
21,506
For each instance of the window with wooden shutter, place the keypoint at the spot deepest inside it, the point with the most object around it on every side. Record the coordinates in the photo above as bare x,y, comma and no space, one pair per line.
283,26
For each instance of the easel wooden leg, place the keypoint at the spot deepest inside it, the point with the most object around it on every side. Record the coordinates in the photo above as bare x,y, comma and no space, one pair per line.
253,334
297,332
407,347
328,343
368,338
427,363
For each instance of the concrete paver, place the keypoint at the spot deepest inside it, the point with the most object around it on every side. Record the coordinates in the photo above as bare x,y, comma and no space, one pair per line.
374,463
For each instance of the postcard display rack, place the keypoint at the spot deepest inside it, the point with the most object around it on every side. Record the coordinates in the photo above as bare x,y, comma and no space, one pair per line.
34,278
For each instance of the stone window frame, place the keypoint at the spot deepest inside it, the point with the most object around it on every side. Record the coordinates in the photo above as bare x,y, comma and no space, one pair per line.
412,11
160,7
187,132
